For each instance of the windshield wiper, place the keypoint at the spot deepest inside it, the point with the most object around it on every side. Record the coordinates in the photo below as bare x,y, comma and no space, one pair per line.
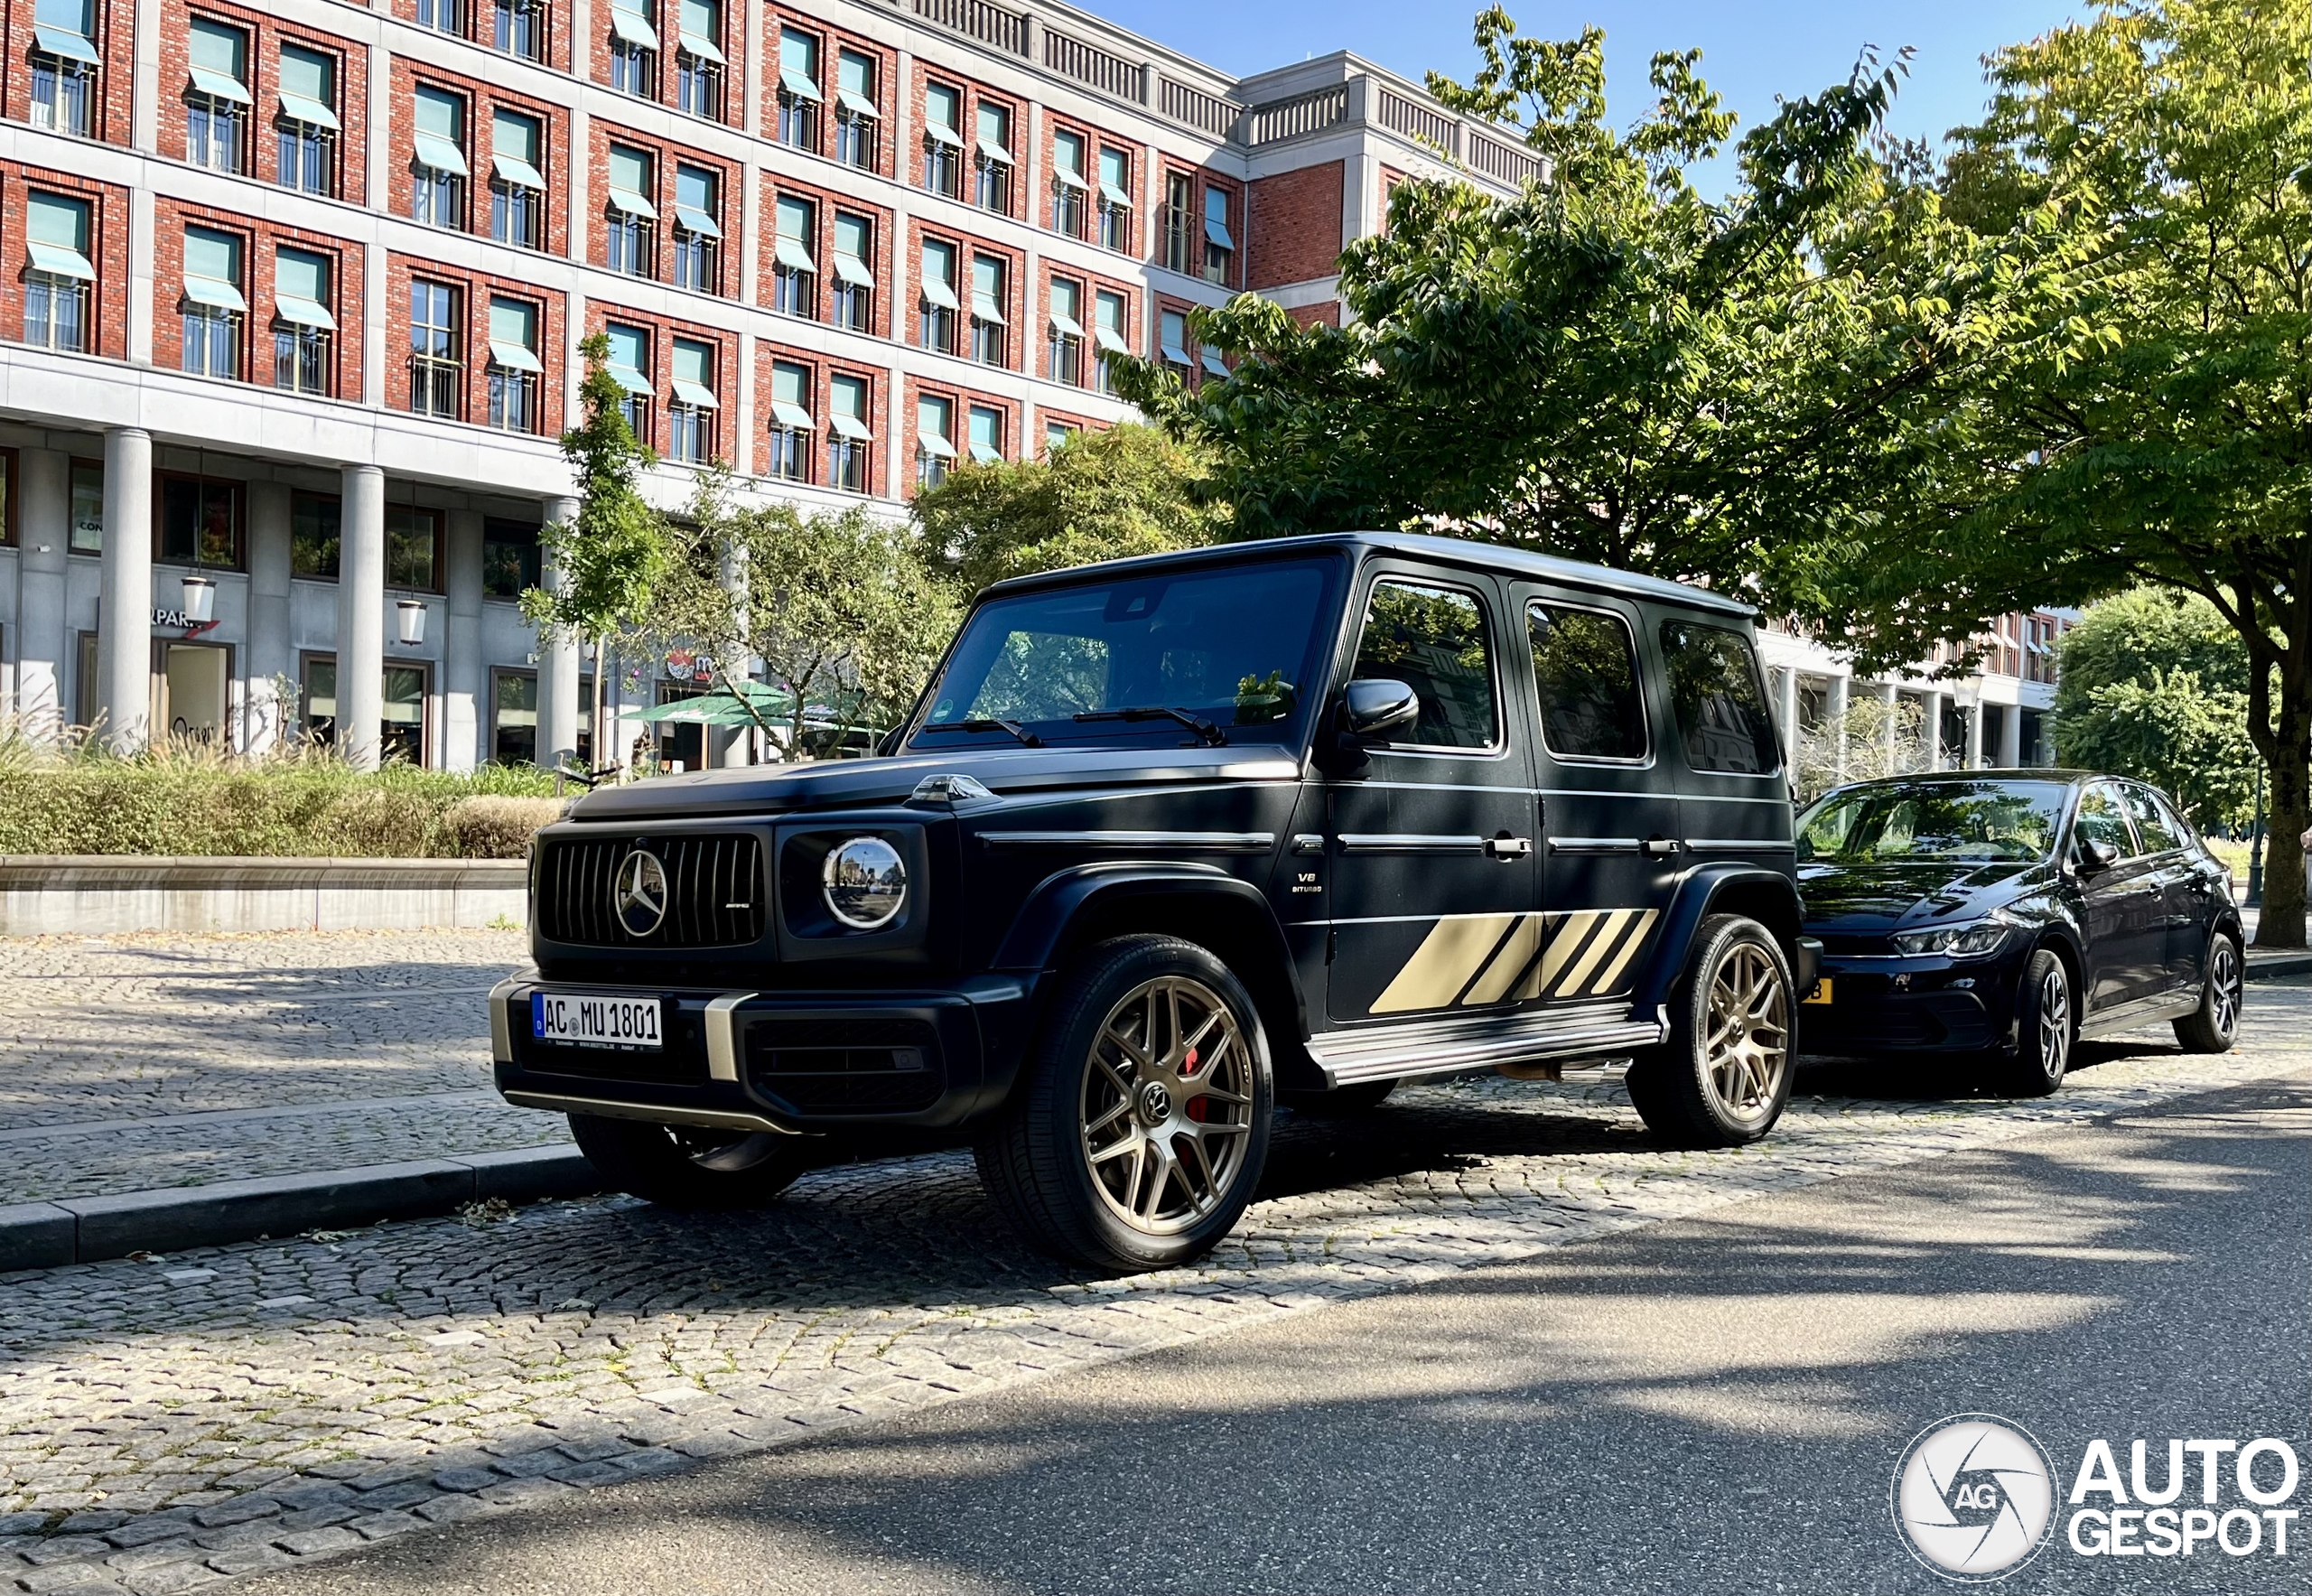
1026,738
1210,735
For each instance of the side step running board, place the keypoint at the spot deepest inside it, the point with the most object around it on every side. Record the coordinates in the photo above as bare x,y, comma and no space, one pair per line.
1350,1058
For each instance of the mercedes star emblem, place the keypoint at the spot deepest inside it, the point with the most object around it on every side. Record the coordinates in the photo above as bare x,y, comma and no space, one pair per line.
638,895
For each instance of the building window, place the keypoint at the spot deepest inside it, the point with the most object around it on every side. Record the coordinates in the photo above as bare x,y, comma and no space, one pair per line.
413,548
65,62
58,274
849,434
1219,244
314,522
1172,341
634,49
629,363
1066,362
795,270
943,140
1180,201
436,375
798,89
401,733
443,16
517,186
987,435
509,557
1069,188
856,116
988,299
940,302
1115,201
438,169
213,306
303,324
200,523
690,412
698,230
514,365
514,721
1057,435
308,126
631,247
88,534
854,272
698,59
935,440
217,99
517,28
1109,313
791,427
992,189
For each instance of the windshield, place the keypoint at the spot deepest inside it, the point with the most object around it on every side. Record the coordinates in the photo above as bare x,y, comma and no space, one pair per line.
1235,646
1928,822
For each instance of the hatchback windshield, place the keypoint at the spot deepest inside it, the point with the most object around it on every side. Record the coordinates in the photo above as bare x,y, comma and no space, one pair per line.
1933,821
1231,647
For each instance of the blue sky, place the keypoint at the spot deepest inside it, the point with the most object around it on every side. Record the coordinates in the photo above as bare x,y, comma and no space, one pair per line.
1751,51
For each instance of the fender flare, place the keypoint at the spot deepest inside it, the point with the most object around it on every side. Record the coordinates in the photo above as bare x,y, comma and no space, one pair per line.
1040,928
1697,893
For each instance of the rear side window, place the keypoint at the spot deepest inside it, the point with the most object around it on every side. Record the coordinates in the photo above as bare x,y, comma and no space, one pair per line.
2150,824
2102,820
1720,703
1585,673
1433,640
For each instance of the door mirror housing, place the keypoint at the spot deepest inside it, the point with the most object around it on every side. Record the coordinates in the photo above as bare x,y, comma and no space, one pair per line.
1376,706
2096,856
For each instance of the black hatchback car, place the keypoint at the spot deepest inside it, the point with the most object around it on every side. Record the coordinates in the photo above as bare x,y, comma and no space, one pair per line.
2003,914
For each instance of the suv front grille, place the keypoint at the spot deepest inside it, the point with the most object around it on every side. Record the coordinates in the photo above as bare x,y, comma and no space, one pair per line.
845,1066
715,892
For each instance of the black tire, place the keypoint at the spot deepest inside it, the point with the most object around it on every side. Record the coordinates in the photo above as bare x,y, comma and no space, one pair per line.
2046,1027
1341,1102
2215,1025
1056,1164
1703,1087
689,1168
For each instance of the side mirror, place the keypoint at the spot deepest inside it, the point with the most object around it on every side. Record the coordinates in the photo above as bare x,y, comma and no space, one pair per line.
2095,856
1372,707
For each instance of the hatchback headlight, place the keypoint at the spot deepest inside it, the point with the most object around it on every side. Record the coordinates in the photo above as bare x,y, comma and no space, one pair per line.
1959,941
864,883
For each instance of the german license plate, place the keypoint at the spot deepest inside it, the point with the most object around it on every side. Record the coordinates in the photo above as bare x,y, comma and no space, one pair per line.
590,1021
1822,992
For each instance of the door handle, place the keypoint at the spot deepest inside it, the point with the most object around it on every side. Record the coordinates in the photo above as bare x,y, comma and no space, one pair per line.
1659,847
1506,846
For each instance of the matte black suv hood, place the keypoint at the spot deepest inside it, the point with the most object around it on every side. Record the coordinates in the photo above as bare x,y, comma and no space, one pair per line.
1852,898
871,783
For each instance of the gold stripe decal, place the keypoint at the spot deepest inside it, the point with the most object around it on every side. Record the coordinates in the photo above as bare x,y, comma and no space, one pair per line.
1516,952
1624,953
1444,963
1500,951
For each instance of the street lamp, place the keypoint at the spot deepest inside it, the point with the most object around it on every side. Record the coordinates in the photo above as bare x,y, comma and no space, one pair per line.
199,600
413,620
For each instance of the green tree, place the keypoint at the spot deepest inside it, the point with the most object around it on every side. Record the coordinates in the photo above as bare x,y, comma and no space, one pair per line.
1100,496
612,558
2154,685
2109,289
1605,366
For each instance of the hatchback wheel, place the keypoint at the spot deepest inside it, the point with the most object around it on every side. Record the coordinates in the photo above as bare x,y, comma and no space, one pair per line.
1723,1077
2047,1025
2215,1025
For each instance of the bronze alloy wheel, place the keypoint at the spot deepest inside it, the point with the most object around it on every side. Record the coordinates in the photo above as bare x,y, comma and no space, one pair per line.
1166,1113
1748,1038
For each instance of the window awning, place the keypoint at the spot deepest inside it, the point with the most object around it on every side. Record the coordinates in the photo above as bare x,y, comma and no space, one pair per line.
795,86
512,356
1069,179
64,42
216,296
939,133
1176,354
935,293
628,378
791,416
634,30
1110,340
1114,198
986,309
793,256
219,86
851,269
697,394
1066,326
436,153
700,46
932,444
59,261
849,426
304,312
1217,232
516,172
986,453
633,204
990,150
296,108
1215,364
857,104
692,219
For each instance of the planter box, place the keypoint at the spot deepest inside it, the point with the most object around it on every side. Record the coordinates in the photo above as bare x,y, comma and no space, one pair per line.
94,894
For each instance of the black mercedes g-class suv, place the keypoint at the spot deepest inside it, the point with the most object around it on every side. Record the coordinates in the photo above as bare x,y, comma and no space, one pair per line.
1167,839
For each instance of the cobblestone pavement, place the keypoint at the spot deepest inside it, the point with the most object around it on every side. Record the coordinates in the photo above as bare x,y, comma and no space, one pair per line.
128,1063
172,1423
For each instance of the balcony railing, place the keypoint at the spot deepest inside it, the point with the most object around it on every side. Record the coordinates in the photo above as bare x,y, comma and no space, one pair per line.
436,386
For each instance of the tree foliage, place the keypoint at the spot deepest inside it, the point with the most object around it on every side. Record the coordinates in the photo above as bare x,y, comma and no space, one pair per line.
1100,496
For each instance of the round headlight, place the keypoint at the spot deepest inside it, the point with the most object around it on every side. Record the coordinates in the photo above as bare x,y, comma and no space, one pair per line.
864,883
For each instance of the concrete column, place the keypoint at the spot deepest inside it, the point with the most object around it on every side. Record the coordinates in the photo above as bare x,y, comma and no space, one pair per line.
1935,702
270,656
144,80
1361,209
125,609
557,735
751,35
1786,710
1841,686
579,180
45,530
361,616
1974,713
2010,736
465,685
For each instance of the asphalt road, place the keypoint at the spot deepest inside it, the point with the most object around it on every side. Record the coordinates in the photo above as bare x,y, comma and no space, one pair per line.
1713,1405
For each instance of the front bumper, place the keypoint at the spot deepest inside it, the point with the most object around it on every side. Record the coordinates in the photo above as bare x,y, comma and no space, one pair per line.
1925,1005
822,1061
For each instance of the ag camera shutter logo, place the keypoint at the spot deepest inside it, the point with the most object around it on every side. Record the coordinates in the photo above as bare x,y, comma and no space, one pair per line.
1973,1498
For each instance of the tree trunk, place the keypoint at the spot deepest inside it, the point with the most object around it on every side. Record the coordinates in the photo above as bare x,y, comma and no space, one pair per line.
605,745
2282,923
